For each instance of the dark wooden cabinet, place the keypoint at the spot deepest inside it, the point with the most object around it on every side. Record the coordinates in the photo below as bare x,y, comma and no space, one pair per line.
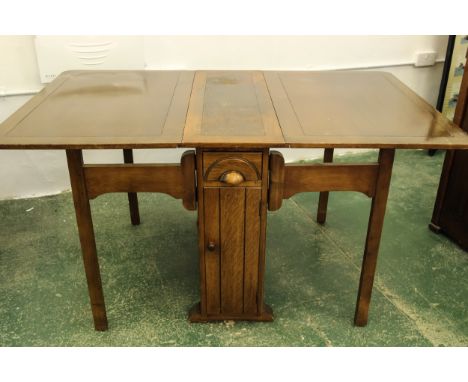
451,208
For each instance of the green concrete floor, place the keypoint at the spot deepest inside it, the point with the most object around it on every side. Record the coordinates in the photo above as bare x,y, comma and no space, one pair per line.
150,272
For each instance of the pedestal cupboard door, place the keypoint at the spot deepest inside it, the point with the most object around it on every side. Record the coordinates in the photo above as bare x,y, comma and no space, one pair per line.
232,233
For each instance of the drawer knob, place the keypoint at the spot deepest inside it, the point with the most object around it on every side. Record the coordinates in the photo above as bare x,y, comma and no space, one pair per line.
211,246
232,177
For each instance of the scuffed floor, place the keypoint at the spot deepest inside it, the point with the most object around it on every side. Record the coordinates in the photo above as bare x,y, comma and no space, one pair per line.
150,272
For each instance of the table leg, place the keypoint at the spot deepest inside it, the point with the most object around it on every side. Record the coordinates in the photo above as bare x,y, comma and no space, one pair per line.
374,232
132,196
323,199
86,233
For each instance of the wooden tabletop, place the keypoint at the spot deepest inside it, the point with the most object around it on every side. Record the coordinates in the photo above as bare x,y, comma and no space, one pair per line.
151,109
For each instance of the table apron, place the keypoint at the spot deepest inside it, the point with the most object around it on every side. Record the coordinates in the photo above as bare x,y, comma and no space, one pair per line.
287,180
177,180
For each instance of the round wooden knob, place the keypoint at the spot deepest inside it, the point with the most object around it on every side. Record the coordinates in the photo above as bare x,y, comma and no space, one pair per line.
211,246
232,177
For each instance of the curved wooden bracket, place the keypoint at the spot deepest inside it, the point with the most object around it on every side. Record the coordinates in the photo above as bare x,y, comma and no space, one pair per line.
275,189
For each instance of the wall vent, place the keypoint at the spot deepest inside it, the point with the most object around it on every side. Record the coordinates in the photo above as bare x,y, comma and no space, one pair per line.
56,54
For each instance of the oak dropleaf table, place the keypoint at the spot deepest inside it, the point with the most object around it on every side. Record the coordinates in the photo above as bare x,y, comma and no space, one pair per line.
230,121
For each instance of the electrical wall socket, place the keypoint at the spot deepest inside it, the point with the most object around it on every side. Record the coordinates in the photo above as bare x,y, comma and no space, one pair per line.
425,59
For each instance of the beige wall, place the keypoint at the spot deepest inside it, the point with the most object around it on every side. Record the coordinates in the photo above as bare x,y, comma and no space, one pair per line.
28,173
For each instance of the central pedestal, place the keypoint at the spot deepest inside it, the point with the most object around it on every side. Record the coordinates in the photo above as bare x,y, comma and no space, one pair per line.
232,207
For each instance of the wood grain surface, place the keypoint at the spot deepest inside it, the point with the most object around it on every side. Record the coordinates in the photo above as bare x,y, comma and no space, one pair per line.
356,109
374,233
232,202
87,240
252,247
151,109
212,256
103,109
229,108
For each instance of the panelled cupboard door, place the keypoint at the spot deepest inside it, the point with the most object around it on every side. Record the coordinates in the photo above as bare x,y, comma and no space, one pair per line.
232,202
232,237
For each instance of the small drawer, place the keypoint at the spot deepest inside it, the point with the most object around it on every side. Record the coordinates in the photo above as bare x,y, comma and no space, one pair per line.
232,169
